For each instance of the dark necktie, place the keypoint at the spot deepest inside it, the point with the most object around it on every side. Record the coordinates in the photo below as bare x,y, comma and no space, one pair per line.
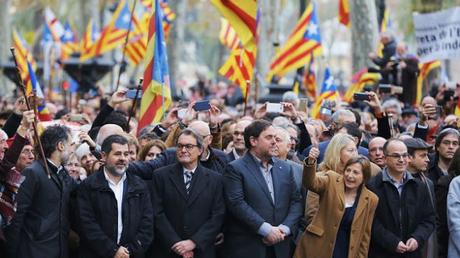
188,180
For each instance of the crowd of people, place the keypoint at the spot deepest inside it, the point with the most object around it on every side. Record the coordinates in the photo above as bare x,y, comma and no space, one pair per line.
377,181
357,183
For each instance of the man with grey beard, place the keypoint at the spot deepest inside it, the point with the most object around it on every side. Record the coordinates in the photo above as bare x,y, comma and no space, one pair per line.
115,211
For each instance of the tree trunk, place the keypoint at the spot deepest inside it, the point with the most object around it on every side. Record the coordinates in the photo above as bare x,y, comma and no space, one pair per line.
176,41
90,11
364,30
268,35
5,38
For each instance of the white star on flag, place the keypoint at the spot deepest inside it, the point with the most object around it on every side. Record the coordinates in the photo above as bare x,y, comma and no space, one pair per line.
312,29
68,35
329,82
126,18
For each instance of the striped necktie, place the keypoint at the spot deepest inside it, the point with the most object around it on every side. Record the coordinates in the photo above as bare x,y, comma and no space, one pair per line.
188,180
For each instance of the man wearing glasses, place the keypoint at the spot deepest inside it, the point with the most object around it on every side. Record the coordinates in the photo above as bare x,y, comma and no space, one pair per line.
188,203
404,218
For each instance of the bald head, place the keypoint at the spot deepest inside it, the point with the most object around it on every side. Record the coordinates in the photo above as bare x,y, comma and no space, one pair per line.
376,151
107,130
202,128
428,100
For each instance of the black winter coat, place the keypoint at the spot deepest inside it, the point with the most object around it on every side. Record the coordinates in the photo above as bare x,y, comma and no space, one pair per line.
399,218
40,227
97,210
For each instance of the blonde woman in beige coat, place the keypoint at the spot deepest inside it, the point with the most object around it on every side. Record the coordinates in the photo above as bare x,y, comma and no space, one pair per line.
342,226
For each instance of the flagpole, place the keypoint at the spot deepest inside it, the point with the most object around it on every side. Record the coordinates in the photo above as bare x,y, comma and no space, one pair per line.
124,45
34,123
133,107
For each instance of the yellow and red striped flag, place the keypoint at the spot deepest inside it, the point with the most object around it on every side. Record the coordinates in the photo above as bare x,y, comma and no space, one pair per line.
358,81
168,15
303,42
239,68
137,44
424,70
242,16
156,96
23,57
90,36
228,36
114,34
344,12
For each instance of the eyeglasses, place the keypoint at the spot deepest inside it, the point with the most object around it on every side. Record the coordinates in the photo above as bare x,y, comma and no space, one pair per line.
293,139
187,147
398,156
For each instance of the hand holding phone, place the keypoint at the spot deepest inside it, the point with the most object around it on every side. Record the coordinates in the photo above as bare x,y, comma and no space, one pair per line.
131,94
360,96
202,105
274,108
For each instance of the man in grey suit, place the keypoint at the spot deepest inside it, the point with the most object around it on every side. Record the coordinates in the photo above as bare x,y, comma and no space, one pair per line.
263,201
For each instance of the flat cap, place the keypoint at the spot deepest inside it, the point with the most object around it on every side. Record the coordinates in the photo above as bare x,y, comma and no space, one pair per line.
417,144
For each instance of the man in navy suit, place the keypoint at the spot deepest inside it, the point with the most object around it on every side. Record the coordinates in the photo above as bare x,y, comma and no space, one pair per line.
263,201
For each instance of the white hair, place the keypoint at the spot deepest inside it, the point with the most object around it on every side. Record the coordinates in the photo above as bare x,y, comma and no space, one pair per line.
3,135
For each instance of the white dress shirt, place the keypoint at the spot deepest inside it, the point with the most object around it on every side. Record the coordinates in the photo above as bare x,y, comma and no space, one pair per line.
117,189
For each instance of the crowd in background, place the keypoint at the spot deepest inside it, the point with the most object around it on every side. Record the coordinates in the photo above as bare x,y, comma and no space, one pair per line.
374,181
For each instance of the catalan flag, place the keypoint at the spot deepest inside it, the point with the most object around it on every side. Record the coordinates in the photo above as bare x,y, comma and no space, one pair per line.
114,34
328,92
425,69
344,12
239,68
43,112
304,41
69,42
228,36
358,81
137,44
309,79
242,15
90,36
168,15
156,90
23,57
55,27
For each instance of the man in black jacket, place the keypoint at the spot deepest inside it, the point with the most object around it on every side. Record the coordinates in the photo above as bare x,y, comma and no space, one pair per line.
40,227
405,217
188,203
115,212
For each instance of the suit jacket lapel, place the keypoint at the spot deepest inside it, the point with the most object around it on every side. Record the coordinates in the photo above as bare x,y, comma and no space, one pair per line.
276,170
177,177
254,169
362,207
199,183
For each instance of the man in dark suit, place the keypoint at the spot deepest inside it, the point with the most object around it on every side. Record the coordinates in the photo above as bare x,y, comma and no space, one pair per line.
115,211
188,203
263,201
239,148
40,227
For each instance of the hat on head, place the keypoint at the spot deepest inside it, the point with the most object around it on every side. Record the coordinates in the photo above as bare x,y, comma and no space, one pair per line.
417,144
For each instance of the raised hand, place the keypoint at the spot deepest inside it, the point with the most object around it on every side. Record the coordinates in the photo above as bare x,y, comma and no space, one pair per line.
118,97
